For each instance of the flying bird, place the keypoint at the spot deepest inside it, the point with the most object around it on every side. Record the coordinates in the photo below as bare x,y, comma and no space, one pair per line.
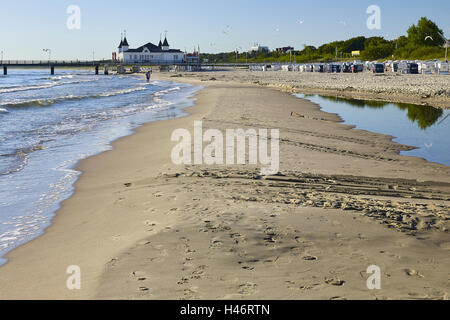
227,30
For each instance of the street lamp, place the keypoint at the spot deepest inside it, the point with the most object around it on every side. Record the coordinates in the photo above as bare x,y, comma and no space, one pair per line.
237,54
446,43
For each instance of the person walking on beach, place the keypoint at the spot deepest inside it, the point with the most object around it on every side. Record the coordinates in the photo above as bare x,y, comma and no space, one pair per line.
148,75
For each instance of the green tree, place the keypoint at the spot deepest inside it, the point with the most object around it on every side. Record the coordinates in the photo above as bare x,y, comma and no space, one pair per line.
354,44
425,29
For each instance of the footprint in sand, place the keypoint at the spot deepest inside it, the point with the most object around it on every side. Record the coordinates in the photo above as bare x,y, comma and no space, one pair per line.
413,273
183,280
247,288
112,263
144,243
139,275
291,284
215,244
334,282
150,223
338,298
310,258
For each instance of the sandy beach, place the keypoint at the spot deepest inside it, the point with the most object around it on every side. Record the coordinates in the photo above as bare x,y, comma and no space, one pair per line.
140,227
427,89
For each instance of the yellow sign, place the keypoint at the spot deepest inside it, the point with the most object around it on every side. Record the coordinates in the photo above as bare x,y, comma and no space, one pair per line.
356,53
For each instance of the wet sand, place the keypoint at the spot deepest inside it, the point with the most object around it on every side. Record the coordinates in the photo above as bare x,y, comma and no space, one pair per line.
141,227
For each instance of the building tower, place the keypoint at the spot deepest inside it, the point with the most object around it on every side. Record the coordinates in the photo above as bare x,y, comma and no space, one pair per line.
121,43
125,45
165,45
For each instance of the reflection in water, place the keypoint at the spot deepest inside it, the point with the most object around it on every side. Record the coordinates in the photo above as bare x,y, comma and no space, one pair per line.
424,127
424,116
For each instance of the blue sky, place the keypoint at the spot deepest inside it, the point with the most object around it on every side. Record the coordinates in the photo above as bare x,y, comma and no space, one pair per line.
28,26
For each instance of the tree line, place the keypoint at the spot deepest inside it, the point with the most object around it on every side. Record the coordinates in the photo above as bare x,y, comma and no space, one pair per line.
423,41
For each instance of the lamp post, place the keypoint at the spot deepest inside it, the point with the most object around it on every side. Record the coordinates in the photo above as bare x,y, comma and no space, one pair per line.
446,44
237,55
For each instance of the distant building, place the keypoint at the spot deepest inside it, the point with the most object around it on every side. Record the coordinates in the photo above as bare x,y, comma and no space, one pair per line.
193,58
285,49
149,53
258,48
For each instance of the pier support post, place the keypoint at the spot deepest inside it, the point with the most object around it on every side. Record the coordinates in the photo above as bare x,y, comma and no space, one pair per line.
5,70
96,69
52,70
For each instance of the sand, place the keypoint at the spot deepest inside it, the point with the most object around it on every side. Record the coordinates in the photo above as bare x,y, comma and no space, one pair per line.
426,89
141,227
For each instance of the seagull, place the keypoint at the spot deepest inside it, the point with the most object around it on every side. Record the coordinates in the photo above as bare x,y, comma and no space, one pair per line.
428,146
428,37
227,29
301,22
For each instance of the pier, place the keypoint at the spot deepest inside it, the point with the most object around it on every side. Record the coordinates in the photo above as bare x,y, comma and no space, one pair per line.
108,65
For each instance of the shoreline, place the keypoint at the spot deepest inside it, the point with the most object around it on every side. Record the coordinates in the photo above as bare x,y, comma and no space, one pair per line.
362,86
445,105
108,146
101,178
81,168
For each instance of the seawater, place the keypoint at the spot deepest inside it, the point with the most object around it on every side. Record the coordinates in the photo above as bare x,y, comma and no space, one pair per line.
49,123
423,127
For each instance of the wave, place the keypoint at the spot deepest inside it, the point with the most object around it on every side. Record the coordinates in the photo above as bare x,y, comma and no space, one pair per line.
119,92
41,86
22,156
3,110
70,76
44,102
159,93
